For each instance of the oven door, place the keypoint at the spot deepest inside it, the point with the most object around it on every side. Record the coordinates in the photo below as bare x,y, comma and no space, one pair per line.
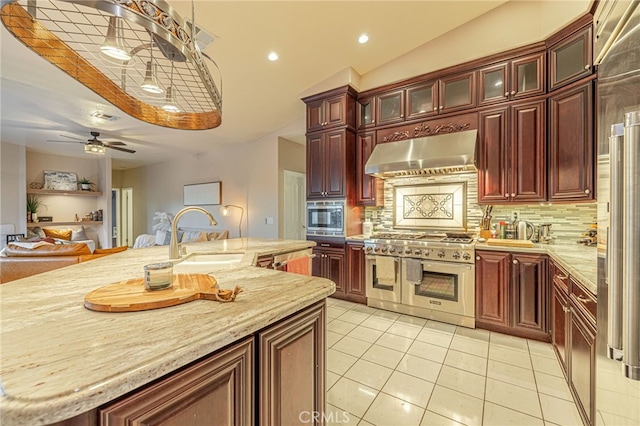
388,291
445,286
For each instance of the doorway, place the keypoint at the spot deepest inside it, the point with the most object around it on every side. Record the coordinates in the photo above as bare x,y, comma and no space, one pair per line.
115,217
126,222
295,197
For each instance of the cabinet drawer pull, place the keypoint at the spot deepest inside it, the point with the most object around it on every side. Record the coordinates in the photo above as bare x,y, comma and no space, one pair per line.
561,277
325,245
583,299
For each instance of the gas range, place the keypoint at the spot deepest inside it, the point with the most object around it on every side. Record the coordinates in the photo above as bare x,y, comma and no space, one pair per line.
437,247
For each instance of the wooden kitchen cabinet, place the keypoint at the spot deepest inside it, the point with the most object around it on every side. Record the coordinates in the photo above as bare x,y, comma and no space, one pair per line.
560,314
571,143
413,102
512,153
571,57
511,291
457,92
331,109
330,163
329,262
390,107
366,112
512,80
292,367
220,387
369,188
422,100
355,289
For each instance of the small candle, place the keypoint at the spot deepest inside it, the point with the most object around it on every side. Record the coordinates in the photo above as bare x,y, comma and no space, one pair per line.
158,276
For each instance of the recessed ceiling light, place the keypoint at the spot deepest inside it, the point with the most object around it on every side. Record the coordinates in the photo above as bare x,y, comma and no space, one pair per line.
363,39
273,56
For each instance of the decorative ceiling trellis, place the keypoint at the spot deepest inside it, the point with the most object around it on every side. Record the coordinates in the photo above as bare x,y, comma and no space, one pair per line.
69,34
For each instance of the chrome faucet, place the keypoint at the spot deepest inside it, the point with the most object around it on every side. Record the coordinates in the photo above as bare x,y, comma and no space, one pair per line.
174,247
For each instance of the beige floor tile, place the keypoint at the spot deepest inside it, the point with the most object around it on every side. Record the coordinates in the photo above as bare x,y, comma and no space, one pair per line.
432,419
353,317
546,365
394,341
377,323
365,423
332,338
496,415
387,410
332,378
339,362
441,327
514,397
553,385
435,337
369,373
559,411
510,342
364,309
333,312
351,396
340,327
344,304
365,333
389,316
411,320
404,330
455,405
408,388
383,356
428,351
470,346
508,373
541,349
510,356
419,367
352,346
462,381
335,416
473,333
467,362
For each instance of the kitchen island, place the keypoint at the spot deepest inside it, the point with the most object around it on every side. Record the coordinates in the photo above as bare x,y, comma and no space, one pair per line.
59,360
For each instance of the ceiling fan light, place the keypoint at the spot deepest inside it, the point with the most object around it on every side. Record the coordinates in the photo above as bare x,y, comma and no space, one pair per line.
113,45
170,101
150,84
95,149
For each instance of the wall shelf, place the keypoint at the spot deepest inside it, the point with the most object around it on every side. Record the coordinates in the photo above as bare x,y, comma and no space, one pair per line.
56,192
44,224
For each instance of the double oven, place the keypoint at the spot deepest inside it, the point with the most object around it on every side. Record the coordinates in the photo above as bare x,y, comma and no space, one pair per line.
431,278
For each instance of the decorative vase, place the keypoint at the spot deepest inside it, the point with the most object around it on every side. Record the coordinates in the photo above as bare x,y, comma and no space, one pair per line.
34,217
84,186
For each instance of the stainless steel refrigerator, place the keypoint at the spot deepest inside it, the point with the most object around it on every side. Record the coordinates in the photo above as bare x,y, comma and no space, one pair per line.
617,52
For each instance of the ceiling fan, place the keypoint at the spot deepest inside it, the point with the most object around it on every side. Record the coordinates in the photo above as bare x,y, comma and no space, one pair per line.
95,142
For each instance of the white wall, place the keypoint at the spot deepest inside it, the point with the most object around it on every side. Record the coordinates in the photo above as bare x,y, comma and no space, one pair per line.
13,210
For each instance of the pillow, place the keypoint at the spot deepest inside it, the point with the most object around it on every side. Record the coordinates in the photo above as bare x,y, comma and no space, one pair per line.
223,235
78,234
193,236
62,234
212,236
163,238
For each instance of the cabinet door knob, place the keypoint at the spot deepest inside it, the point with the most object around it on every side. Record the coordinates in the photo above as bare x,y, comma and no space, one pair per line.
513,92
586,67
477,257
586,191
373,121
441,107
515,261
513,194
506,94
506,195
435,109
401,115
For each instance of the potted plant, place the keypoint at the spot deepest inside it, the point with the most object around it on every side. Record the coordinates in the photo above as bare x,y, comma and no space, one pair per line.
33,203
85,184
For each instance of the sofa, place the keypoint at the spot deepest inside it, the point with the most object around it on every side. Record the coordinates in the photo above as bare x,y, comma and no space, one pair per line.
20,261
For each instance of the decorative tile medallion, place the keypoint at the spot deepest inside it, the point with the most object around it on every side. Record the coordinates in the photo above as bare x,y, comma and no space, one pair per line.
430,206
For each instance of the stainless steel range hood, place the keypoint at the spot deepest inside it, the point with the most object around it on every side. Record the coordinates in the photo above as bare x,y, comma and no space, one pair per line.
447,153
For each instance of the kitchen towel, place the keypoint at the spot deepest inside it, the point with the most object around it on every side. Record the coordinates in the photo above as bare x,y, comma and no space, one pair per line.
386,270
414,270
299,265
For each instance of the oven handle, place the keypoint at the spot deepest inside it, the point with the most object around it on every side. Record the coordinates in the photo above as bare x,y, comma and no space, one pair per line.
467,266
373,257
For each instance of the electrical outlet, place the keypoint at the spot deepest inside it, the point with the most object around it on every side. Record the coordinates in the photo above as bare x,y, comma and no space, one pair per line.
268,221
514,216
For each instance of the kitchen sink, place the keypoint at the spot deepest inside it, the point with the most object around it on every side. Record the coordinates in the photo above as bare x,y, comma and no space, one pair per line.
206,262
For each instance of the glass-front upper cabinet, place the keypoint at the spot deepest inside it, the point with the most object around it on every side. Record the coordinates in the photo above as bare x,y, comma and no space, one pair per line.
457,92
390,107
366,112
511,80
571,59
422,100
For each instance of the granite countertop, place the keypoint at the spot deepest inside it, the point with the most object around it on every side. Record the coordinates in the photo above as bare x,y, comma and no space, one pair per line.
59,359
578,260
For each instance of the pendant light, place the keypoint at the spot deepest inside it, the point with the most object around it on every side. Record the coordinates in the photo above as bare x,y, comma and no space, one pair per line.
170,104
113,44
150,83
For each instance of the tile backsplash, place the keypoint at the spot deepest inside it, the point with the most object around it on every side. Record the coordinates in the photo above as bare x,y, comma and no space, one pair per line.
568,221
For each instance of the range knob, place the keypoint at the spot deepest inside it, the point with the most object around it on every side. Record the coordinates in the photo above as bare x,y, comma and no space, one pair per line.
377,249
427,252
441,253
466,256
384,249
369,249
407,251
417,252
392,250
456,255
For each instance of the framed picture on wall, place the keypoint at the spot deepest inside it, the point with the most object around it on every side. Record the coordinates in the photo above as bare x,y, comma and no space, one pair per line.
202,194
60,181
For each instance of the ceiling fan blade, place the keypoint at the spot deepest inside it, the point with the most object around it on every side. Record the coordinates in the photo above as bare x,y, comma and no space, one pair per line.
131,151
115,143
49,140
70,137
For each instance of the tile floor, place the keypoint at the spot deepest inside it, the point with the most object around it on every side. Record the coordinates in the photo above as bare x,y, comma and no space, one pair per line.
388,369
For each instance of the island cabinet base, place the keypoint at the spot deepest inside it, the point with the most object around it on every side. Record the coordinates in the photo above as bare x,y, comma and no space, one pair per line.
275,377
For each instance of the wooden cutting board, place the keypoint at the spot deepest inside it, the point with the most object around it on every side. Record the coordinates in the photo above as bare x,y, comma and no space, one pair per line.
130,295
510,243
